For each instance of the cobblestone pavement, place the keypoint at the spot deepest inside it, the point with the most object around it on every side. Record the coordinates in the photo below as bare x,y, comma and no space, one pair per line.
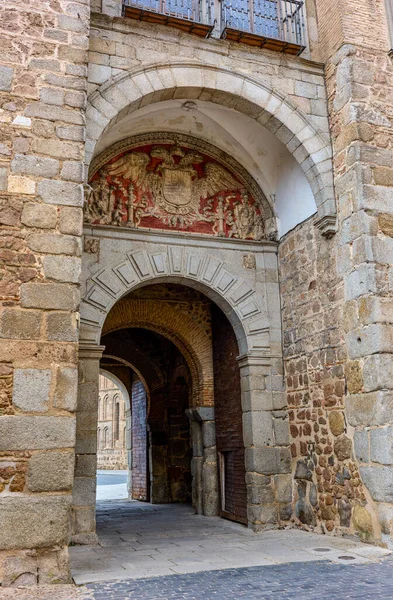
300,581
139,540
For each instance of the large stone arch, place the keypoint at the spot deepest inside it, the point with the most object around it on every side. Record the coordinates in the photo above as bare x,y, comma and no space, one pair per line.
203,271
129,91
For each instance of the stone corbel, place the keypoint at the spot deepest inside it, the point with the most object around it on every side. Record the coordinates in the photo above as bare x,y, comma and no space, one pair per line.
327,225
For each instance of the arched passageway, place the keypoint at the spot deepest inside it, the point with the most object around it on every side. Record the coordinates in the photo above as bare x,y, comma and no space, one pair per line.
185,412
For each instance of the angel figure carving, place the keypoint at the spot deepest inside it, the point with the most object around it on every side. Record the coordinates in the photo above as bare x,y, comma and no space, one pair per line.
176,186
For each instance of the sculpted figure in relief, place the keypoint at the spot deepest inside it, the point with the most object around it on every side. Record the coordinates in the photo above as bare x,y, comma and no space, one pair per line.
179,187
98,202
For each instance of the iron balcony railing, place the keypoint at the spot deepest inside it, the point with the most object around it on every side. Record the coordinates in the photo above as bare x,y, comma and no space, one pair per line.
278,21
275,24
193,16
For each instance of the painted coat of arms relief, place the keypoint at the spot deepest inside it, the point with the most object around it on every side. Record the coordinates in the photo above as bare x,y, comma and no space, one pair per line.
172,186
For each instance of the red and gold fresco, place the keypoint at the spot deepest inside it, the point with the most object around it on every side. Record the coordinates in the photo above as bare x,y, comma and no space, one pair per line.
170,186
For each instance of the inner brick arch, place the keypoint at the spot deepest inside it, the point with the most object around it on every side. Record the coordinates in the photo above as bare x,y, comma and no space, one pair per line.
180,329
126,93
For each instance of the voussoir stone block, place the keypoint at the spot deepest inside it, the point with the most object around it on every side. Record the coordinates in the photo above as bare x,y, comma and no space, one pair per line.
51,472
36,432
31,389
34,522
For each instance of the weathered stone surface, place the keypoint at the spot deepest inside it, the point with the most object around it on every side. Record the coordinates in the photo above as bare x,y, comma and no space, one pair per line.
54,244
31,389
345,512
84,491
375,408
61,192
20,324
313,494
6,75
385,223
268,460
283,487
262,514
281,431
39,215
51,472
35,165
381,445
73,171
378,372
34,522
304,512
258,428
62,268
83,519
209,434
71,220
86,465
21,185
379,481
343,447
19,571
362,522
66,389
61,327
361,445
336,422
303,471
354,376
54,566
53,296
36,432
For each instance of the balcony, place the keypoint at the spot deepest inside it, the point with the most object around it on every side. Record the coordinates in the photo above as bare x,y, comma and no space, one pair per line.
273,24
192,16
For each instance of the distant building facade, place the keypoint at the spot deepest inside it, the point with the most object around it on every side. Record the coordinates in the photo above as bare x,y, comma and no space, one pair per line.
111,429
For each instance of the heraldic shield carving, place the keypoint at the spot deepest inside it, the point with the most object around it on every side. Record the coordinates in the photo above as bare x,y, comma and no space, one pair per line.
167,181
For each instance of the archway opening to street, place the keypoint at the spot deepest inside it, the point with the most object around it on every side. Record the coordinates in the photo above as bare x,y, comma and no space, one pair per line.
176,353
113,440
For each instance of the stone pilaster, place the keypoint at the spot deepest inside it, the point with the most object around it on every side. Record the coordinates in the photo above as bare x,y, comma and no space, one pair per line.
266,440
84,490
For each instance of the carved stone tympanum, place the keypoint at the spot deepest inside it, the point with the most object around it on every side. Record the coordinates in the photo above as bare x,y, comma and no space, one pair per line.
174,182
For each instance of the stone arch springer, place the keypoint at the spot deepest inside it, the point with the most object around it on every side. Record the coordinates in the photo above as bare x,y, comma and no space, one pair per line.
126,92
203,271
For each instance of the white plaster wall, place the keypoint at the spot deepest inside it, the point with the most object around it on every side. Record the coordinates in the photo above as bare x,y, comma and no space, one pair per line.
294,200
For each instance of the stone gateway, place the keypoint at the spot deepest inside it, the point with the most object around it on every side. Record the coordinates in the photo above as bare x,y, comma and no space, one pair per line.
195,202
